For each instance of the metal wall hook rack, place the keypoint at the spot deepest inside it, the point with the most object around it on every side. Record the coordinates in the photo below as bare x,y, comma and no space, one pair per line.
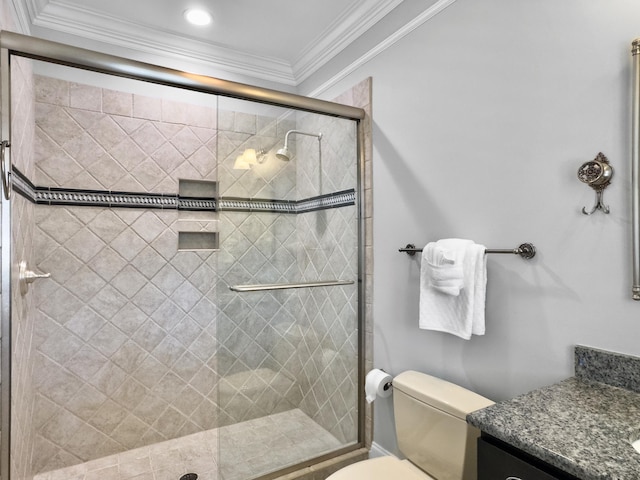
525,250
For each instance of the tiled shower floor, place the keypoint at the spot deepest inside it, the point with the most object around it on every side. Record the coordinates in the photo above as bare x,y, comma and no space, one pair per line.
243,451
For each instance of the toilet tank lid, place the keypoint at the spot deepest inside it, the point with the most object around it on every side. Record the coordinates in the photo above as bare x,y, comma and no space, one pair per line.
438,393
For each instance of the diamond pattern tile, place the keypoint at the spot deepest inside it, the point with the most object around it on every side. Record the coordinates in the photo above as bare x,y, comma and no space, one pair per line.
119,152
155,344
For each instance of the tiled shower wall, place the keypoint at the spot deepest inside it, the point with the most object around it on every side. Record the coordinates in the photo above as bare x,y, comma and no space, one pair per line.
330,370
126,344
23,312
329,251
358,96
278,355
293,347
93,138
127,324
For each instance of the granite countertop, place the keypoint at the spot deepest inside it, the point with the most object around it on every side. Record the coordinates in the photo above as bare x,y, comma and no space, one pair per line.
579,425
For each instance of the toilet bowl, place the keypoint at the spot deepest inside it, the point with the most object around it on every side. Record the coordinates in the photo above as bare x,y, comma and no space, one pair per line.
381,468
432,432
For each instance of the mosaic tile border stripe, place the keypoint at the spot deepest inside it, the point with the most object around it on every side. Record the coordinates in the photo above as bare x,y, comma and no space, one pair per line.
105,198
233,204
324,202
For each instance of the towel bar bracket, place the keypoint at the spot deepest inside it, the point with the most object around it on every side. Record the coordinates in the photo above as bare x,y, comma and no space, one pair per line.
410,249
525,250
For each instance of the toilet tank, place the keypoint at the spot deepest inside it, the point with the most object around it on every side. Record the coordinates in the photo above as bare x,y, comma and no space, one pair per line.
431,428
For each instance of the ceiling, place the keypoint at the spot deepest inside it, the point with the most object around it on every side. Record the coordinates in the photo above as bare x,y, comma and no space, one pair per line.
278,40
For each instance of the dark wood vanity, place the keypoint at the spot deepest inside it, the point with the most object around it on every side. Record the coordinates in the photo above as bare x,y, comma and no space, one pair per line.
499,461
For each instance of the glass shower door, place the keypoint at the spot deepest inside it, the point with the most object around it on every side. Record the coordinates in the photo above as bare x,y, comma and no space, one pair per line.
288,351
146,203
114,196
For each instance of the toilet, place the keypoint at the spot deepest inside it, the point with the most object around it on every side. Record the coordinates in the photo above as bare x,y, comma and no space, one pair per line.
432,433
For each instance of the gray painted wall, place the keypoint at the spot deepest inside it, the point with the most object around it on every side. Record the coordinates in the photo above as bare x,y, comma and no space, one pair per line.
481,118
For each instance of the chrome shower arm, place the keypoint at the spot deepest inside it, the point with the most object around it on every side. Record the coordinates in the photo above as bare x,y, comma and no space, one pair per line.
300,132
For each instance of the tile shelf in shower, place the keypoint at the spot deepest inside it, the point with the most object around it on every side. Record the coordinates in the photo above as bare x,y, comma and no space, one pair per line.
105,198
189,188
198,241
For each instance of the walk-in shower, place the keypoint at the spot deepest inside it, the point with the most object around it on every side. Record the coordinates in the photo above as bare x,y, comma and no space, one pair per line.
202,315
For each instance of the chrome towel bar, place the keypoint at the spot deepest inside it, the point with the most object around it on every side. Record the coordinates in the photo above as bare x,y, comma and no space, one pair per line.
285,286
525,250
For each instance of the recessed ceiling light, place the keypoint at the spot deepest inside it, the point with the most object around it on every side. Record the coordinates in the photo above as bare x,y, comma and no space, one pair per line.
197,16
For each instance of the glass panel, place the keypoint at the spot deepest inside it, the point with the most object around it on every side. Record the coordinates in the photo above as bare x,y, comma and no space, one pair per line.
287,358
135,359
114,371
23,319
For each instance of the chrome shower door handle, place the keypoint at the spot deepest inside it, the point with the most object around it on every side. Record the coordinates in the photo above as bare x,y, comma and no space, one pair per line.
30,276
4,171
27,277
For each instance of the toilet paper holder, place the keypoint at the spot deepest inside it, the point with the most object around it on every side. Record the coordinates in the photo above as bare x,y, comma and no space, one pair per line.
387,385
377,383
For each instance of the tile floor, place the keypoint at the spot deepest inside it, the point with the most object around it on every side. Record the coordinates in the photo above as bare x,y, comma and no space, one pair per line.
236,452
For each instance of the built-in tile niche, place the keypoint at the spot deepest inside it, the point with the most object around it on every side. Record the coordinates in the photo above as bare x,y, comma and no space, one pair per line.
189,188
197,230
198,241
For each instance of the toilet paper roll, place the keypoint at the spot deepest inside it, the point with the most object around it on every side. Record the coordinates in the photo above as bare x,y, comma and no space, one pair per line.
377,384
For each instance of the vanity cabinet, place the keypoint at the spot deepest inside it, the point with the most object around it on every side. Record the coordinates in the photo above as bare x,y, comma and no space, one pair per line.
500,461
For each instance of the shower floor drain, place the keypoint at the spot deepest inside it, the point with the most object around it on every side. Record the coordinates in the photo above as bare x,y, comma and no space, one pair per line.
189,476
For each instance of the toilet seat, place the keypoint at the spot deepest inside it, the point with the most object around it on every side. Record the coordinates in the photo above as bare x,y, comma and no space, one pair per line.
381,468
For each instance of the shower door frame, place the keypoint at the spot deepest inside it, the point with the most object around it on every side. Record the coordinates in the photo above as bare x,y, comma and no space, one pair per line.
53,52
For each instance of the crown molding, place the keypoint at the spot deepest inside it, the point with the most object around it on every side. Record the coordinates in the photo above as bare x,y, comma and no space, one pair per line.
64,17
339,35
67,17
391,40
22,16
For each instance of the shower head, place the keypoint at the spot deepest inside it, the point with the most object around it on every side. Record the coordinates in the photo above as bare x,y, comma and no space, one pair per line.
284,154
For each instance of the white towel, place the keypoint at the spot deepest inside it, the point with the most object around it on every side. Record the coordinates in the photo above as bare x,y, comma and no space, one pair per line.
442,310
443,268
